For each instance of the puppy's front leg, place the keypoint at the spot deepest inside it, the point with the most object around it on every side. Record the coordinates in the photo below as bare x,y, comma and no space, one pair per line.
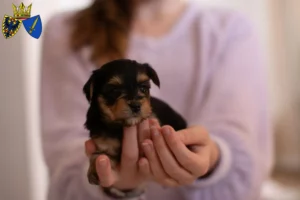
107,146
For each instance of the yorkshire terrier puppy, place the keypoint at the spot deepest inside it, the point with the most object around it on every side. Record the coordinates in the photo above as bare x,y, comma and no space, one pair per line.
119,95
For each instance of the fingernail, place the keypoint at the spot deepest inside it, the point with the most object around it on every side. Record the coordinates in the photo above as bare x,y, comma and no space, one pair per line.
145,122
146,146
154,131
166,131
154,122
102,162
143,162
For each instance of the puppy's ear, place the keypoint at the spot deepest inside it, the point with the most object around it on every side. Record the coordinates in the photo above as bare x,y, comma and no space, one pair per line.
88,88
152,74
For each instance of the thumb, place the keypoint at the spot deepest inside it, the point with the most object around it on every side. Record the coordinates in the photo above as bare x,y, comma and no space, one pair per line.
195,135
144,167
106,175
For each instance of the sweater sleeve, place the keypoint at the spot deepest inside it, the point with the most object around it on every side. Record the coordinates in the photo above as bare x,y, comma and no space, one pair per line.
63,111
235,112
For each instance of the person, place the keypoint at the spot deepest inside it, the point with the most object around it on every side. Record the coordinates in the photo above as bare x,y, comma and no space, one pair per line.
212,72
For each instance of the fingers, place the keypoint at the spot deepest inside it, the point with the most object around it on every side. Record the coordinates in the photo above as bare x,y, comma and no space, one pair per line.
143,134
144,131
144,167
169,163
156,168
194,136
154,123
90,147
196,164
106,175
130,151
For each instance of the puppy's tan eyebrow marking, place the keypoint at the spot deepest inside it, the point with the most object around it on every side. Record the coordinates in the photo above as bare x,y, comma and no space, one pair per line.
91,91
116,80
142,77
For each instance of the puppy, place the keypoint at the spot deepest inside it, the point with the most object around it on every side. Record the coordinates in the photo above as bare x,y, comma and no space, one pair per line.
119,95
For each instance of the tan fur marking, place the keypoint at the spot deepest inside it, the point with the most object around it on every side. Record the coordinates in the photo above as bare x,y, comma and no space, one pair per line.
146,108
142,77
108,145
91,91
121,112
115,81
119,107
109,114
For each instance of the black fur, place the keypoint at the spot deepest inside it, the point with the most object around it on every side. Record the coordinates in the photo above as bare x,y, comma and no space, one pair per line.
132,92
95,122
167,115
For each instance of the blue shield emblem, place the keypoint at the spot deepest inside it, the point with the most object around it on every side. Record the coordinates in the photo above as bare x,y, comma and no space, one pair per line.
10,26
33,26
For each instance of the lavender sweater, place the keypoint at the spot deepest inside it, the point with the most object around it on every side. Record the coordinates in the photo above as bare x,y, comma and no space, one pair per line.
211,72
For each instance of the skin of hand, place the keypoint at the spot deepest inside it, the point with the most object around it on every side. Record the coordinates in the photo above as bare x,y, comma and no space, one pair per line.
132,171
161,154
179,158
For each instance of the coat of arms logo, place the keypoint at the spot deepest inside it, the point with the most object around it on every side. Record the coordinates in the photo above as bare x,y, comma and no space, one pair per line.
21,15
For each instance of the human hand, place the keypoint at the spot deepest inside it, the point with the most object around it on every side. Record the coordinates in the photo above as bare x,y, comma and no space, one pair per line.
132,171
172,162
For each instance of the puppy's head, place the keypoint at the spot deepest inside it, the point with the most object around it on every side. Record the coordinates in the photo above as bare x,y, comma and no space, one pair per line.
121,91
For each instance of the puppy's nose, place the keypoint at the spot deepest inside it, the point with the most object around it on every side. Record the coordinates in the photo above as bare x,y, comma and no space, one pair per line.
135,107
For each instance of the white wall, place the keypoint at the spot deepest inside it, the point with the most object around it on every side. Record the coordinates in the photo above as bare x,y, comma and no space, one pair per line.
31,53
22,169
14,163
288,126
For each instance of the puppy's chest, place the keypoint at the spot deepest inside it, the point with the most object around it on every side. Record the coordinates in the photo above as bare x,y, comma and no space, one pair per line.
112,132
109,142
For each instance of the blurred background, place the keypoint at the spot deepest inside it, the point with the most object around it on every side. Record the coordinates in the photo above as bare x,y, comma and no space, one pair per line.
23,174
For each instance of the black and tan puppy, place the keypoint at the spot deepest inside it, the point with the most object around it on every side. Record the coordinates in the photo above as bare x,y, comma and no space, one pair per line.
119,95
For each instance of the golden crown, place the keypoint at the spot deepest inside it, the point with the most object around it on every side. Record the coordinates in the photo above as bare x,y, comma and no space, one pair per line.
22,12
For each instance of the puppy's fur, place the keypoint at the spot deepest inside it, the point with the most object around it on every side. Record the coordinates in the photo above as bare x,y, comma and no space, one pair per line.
119,95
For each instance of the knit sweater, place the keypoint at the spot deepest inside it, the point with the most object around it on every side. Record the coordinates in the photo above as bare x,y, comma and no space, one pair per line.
211,72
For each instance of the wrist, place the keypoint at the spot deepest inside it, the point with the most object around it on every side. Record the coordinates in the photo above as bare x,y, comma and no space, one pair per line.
214,160
215,156
118,193
127,185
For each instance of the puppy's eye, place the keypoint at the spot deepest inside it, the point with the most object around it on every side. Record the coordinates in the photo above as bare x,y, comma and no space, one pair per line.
112,90
144,89
115,90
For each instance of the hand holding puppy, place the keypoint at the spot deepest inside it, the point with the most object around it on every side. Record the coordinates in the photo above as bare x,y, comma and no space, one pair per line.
168,160
171,162
132,171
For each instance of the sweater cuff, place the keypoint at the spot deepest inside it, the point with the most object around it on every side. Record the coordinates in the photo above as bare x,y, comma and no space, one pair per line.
223,167
96,192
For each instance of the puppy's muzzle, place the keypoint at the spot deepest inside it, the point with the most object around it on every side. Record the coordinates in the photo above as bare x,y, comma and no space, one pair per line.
135,107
